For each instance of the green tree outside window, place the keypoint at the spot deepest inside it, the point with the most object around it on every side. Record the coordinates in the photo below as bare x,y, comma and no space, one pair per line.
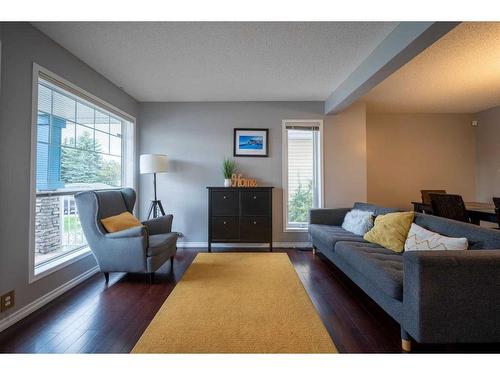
301,202
82,166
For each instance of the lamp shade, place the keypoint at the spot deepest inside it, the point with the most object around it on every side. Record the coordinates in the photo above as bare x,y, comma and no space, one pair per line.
153,163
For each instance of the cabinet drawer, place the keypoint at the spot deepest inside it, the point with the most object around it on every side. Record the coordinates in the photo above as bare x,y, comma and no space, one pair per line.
255,203
225,228
255,229
225,203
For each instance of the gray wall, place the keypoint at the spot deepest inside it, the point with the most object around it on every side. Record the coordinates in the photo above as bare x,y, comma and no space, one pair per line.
22,45
196,137
488,154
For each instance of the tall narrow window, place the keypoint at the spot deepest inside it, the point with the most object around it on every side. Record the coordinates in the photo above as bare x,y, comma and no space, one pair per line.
302,176
80,145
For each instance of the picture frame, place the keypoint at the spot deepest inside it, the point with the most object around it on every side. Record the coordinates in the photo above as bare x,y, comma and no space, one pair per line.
251,142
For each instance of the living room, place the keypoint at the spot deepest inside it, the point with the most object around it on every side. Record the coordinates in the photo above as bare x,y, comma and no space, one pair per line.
250,187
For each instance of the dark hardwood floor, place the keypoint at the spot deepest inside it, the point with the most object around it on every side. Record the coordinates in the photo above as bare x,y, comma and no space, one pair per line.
97,318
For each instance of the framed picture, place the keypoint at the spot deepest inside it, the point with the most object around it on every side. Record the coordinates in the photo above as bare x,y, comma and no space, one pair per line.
251,142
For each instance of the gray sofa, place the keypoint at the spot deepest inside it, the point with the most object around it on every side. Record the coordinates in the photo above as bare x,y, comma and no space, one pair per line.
436,296
138,249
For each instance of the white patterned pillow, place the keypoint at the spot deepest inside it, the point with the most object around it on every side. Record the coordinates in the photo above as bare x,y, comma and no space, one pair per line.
422,239
358,222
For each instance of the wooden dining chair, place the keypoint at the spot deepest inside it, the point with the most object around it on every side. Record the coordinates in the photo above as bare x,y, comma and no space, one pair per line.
496,200
426,199
450,206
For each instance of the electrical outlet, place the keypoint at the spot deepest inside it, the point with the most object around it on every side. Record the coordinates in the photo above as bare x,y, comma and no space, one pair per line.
7,301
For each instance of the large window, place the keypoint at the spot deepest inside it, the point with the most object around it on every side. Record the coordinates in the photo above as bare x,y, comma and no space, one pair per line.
80,144
302,172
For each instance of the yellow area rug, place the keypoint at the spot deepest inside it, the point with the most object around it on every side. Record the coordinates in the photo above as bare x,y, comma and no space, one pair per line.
237,303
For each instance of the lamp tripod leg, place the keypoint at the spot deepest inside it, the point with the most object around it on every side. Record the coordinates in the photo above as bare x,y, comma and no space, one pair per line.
151,208
160,206
154,209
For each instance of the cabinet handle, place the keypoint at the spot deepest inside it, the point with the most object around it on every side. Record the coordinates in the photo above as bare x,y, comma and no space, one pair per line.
255,222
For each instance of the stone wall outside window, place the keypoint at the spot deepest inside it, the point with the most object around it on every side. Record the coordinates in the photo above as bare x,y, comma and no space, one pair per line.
48,224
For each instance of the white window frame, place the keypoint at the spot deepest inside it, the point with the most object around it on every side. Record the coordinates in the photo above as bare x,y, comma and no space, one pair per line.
284,169
128,171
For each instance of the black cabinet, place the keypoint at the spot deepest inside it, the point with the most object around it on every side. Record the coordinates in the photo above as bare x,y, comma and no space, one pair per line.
240,215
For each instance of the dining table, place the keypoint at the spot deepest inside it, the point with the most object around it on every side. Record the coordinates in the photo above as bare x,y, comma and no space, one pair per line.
477,211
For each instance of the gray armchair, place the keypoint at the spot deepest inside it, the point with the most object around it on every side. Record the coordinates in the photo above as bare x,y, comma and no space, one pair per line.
139,249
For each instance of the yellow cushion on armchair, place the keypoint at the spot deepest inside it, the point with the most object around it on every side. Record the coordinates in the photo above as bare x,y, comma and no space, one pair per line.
123,221
390,230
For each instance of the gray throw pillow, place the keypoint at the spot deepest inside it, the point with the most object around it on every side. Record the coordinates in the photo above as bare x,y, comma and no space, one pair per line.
358,222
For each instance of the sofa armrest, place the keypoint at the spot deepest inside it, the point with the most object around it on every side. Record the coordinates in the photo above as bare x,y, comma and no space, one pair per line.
452,296
127,233
159,225
327,216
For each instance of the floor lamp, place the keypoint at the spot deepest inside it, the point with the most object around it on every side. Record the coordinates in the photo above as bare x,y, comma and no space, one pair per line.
154,163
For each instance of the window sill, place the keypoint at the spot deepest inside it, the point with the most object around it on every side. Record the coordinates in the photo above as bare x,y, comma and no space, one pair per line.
57,264
299,230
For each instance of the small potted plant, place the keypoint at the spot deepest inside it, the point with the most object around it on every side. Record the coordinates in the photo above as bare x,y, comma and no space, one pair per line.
228,169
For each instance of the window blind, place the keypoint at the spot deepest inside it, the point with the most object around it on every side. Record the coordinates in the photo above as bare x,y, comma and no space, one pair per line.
302,126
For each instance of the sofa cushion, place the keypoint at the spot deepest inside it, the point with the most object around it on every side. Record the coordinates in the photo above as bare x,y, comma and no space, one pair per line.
377,210
120,222
325,236
358,222
422,239
391,230
479,238
158,243
383,267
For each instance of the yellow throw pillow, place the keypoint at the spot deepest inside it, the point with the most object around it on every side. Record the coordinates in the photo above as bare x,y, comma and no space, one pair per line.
391,230
123,221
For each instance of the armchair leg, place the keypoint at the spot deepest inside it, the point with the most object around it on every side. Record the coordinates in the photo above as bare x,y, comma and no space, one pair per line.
315,251
405,341
406,345
172,261
151,277
106,276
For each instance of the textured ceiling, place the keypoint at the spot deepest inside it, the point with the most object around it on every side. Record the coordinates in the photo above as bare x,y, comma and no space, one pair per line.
460,73
190,61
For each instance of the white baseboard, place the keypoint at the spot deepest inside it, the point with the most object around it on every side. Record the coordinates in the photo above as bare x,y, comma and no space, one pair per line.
291,244
276,245
38,303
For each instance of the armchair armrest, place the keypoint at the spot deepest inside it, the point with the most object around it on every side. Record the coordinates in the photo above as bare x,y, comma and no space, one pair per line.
327,216
123,251
159,225
452,296
131,232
